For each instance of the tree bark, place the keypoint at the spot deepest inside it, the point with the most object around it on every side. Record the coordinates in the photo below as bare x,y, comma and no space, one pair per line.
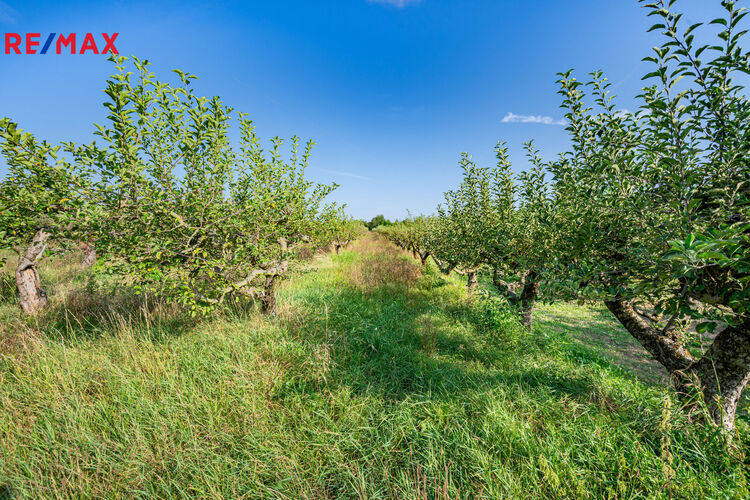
528,298
268,301
424,258
89,255
524,301
666,347
337,246
471,281
722,373
508,290
31,295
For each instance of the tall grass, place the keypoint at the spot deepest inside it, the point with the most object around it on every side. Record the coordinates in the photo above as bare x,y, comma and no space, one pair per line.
376,380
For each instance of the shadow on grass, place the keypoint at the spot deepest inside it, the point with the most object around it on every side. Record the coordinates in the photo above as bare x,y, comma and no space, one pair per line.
429,343
86,314
396,342
592,335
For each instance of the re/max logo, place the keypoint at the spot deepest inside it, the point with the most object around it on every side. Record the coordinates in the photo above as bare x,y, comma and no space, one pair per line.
29,43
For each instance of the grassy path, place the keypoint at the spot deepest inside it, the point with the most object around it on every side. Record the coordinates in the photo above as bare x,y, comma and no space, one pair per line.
376,381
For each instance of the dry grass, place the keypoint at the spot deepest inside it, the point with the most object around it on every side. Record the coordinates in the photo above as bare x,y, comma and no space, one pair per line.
18,339
83,307
381,265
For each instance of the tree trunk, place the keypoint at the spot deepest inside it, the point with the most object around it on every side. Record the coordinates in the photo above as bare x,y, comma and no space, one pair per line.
444,267
337,247
471,281
414,253
31,295
89,255
524,301
508,290
424,258
724,372
666,347
268,301
528,298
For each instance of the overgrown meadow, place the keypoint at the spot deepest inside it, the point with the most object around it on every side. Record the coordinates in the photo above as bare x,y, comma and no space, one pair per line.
377,379
184,314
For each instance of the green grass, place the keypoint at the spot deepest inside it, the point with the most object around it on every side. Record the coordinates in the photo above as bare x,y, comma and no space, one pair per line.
595,330
373,382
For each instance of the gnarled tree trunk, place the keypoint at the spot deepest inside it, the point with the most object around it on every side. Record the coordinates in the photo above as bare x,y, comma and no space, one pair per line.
268,300
89,255
445,267
722,373
665,346
528,298
423,257
471,281
337,247
31,295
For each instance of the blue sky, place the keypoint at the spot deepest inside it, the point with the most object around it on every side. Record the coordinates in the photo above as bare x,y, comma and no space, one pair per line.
392,91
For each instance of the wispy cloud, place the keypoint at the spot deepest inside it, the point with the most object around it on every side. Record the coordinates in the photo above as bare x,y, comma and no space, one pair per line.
399,4
544,120
344,174
7,13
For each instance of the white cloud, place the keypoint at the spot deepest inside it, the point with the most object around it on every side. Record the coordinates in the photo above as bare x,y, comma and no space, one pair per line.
7,13
399,4
344,174
544,120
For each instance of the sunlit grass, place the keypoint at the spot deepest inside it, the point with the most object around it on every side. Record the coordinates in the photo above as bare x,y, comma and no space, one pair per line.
387,384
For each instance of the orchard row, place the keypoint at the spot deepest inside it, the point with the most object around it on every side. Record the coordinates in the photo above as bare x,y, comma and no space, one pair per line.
165,199
647,212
